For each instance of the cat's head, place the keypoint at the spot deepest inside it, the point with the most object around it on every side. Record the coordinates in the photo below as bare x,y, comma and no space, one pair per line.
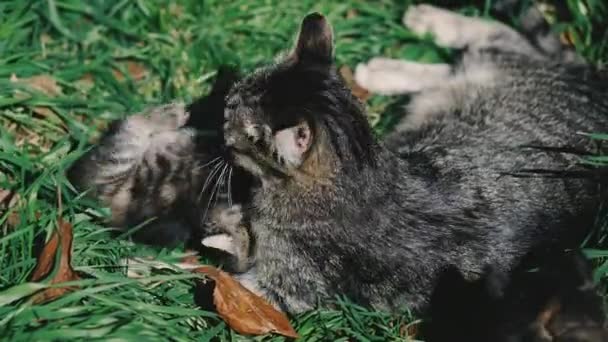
297,117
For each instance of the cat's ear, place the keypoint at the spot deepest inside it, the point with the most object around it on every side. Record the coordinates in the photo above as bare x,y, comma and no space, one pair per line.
292,143
315,41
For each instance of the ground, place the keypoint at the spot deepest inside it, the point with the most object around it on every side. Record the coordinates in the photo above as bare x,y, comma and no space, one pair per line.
68,67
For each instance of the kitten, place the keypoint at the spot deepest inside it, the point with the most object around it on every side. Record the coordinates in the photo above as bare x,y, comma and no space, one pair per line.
556,302
338,212
166,164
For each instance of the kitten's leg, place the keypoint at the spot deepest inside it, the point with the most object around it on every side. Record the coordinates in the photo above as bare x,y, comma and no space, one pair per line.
392,76
229,220
457,31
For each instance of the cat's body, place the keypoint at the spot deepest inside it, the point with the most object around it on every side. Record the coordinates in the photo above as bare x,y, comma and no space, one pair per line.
339,213
479,173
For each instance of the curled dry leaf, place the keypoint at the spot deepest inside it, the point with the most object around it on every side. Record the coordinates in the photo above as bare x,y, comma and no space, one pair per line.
64,272
361,93
136,71
86,82
244,311
5,196
45,84
410,331
8,202
192,258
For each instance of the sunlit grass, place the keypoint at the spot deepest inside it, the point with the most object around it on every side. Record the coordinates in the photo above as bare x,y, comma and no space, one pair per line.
111,58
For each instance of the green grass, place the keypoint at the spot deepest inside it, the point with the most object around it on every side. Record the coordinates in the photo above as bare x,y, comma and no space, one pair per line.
176,46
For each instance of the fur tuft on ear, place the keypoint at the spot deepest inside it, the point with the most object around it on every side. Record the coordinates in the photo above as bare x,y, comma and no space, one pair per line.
315,41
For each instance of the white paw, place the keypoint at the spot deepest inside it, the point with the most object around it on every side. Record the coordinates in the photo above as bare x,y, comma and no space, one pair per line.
444,25
392,76
381,80
220,241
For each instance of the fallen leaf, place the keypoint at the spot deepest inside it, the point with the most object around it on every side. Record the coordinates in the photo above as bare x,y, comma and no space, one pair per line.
5,195
567,38
191,259
45,84
361,93
43,111
8,201
46,263
136,71
86,82
410,331
244,311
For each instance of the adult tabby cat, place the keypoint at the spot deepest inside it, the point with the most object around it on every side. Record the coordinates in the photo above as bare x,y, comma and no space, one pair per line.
482,170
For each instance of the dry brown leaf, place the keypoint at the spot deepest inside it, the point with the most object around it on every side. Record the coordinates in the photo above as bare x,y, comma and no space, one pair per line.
410,331
8,200
47,112
43,111
136,71
244,311
46,262
5,195
45,84
192,258
86,82
567,38
361,93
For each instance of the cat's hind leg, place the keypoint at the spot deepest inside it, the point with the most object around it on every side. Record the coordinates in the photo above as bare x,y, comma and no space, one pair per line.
457,31
393,76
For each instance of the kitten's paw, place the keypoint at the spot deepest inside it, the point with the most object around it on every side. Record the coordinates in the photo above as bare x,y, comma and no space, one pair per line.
168,117
228,216
444,25
222,242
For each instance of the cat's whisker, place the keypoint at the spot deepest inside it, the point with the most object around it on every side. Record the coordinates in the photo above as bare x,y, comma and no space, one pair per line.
220,184
215,188
209,163
210,177
230,186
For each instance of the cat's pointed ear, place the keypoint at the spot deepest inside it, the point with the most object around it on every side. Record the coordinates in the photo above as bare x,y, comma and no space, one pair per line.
315,41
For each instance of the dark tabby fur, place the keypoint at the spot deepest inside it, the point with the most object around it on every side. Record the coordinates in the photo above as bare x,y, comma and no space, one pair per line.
487,172
481,171
165,164
556,302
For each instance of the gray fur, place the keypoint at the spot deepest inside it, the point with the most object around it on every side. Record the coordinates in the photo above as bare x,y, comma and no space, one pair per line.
379,222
